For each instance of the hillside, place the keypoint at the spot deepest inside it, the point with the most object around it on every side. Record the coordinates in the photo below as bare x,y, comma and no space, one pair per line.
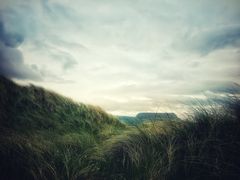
30,108
45,136
36,124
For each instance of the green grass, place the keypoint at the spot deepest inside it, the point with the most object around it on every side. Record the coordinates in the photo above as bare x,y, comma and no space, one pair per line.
204,146
46,136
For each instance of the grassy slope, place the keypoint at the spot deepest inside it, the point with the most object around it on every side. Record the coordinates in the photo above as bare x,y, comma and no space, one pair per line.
36,125
46,136
31,108
205,146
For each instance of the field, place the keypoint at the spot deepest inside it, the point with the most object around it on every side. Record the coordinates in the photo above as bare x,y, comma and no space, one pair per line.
44,135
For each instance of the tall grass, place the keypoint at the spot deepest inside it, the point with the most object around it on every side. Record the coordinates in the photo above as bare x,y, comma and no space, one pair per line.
46,136
204,146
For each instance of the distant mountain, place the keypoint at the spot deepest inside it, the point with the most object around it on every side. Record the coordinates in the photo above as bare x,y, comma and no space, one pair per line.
156,116
145,116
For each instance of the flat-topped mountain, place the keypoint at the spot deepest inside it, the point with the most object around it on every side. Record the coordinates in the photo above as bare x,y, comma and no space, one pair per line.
148,116
156,116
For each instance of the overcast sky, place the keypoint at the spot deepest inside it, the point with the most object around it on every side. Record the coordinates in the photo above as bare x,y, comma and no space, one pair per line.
126,56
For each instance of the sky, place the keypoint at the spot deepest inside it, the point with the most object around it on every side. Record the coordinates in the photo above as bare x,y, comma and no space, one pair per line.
127,56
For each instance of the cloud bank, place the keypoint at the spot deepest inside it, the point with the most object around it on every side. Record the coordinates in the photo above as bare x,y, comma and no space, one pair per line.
11,59
126,56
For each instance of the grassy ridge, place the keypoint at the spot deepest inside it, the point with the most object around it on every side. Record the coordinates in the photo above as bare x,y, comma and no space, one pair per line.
47,136
32,108
206,146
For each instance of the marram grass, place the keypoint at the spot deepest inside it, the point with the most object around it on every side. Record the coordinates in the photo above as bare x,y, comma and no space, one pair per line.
46,136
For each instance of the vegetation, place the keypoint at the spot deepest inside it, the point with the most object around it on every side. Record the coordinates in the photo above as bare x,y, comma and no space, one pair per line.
46,136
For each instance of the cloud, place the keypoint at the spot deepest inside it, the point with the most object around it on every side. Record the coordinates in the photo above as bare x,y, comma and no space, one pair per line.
8,39
65,58
208,40
30,23
224,87
119,53
11,59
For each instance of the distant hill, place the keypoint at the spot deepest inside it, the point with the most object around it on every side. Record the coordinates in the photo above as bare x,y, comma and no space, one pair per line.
156,116
145,116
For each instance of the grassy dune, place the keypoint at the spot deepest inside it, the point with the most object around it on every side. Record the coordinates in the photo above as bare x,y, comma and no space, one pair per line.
46,136
206,146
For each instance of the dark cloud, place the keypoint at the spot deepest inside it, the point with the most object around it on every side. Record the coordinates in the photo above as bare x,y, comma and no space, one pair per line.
213,39
222,38
11,59
8,39
225,87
